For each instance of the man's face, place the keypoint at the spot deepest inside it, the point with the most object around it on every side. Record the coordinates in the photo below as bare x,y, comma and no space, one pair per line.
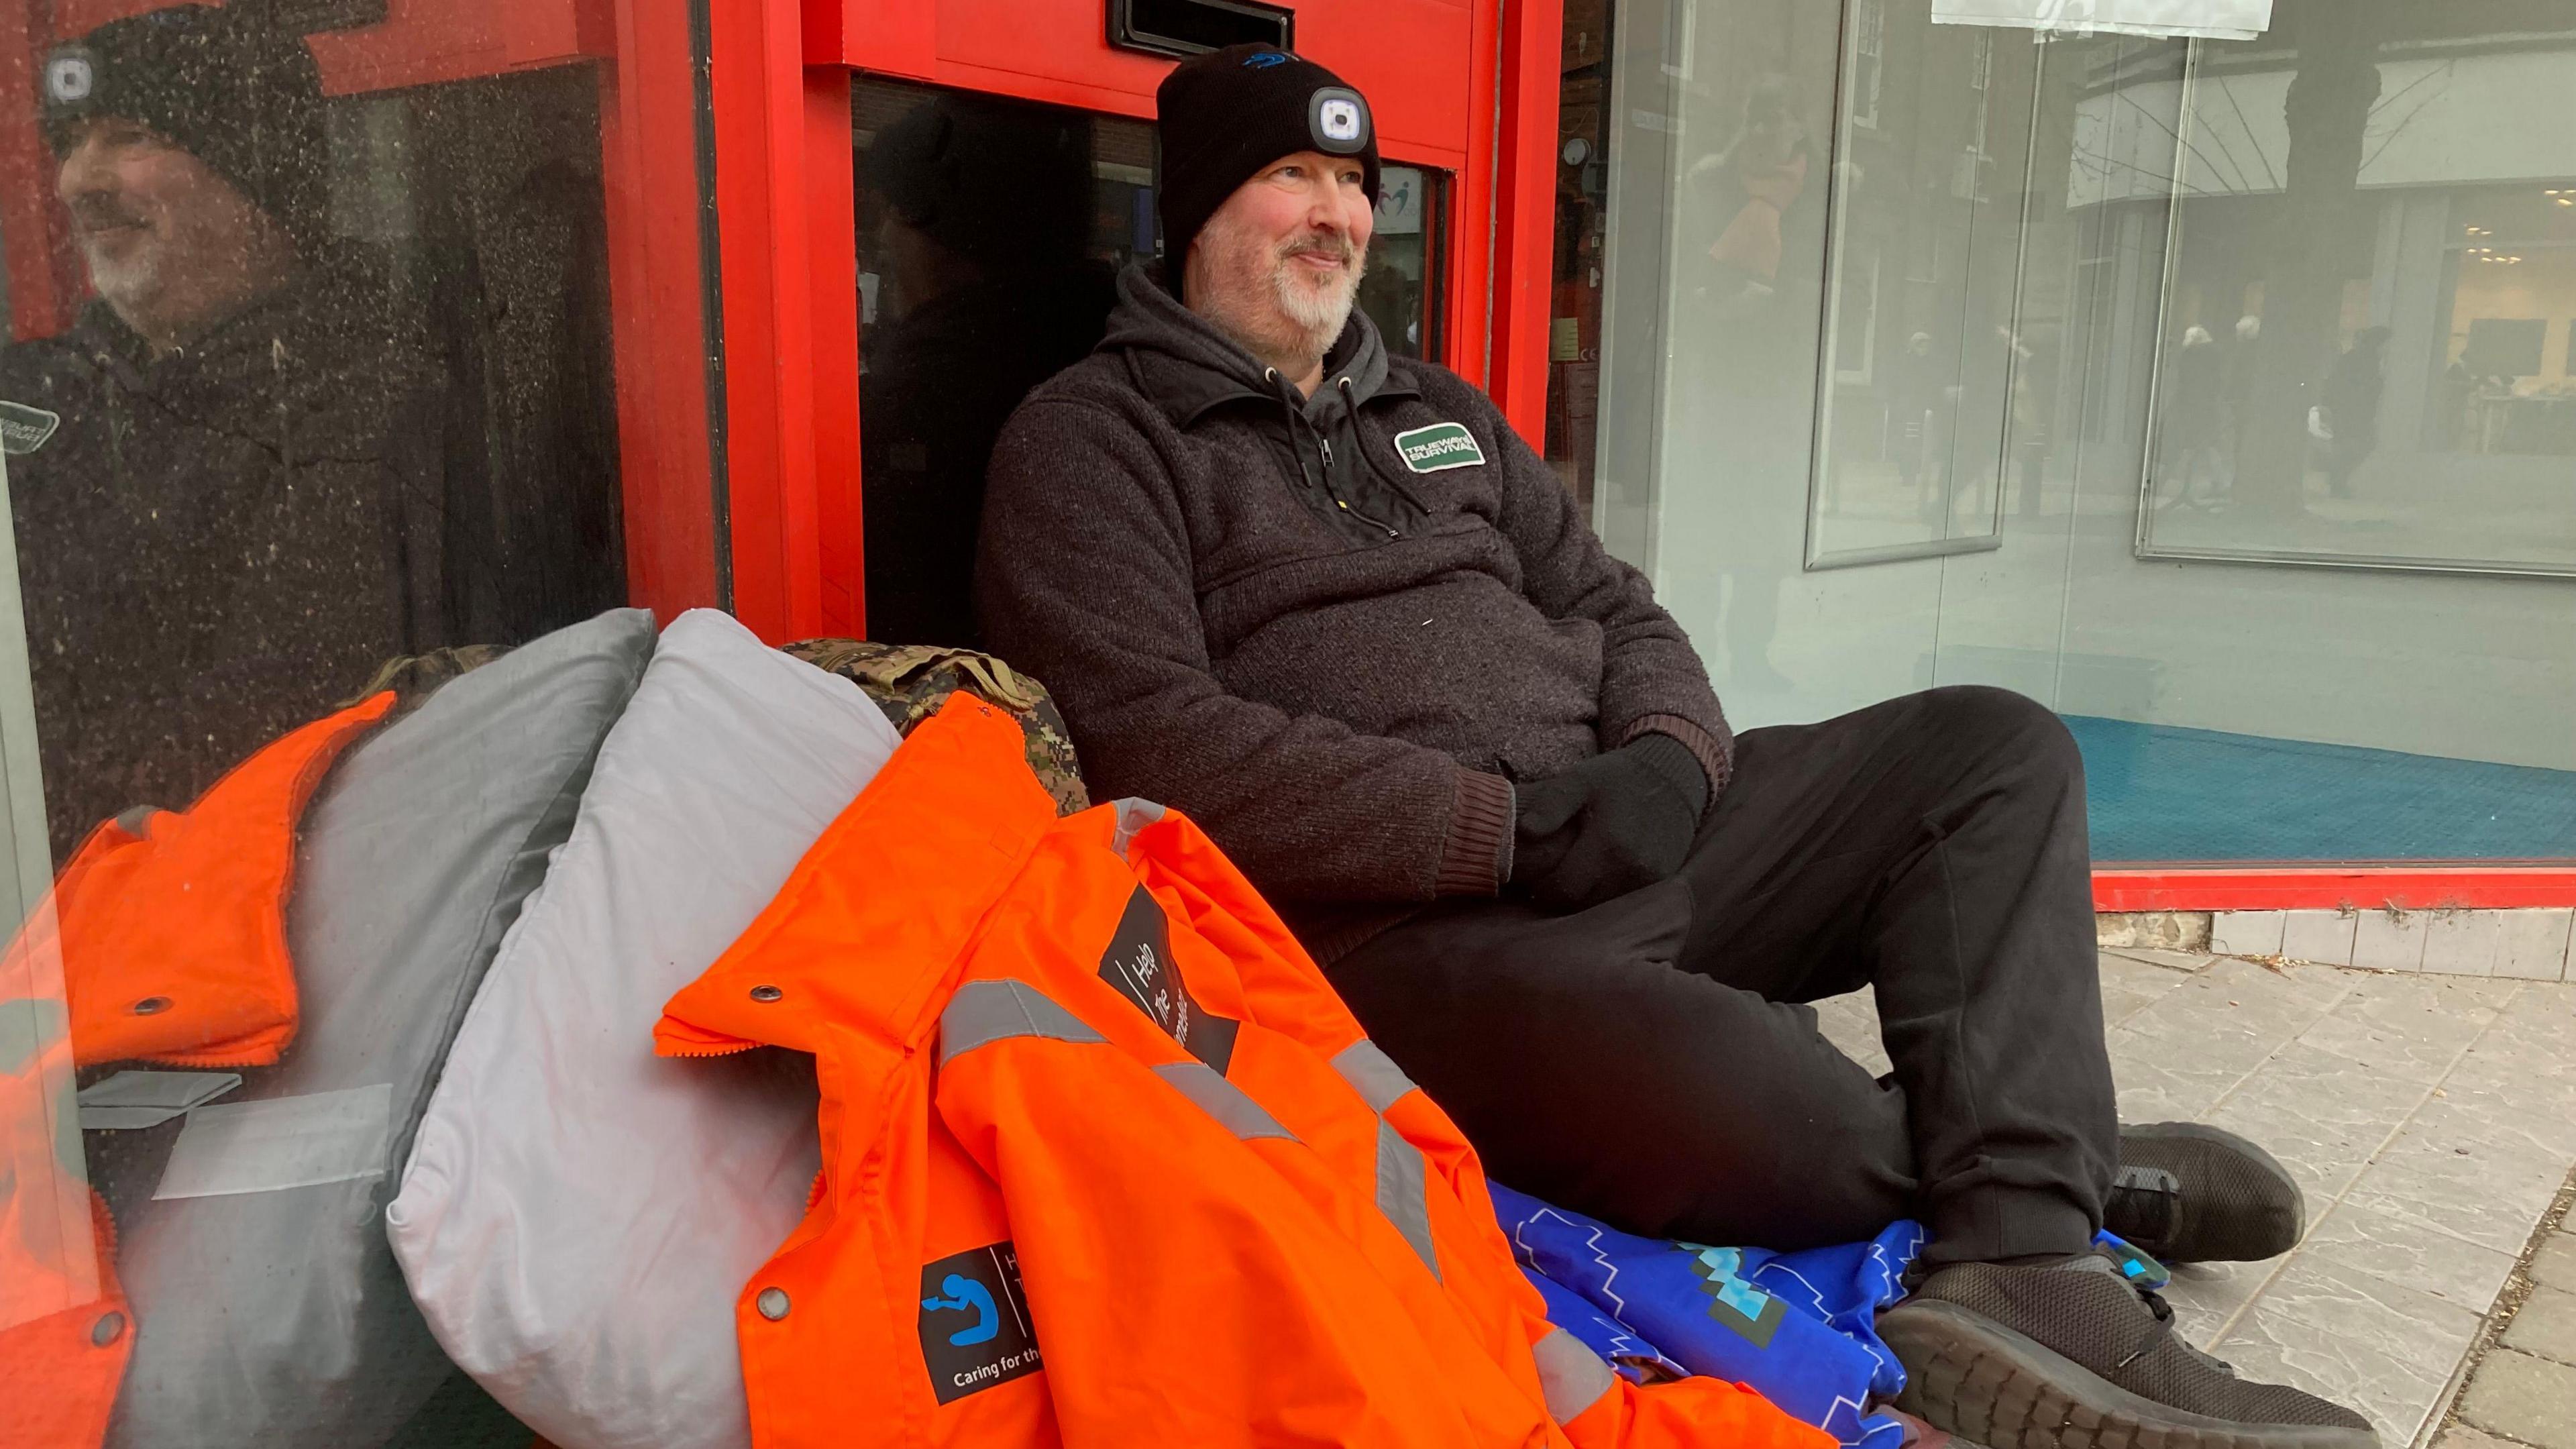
1277,266
173,246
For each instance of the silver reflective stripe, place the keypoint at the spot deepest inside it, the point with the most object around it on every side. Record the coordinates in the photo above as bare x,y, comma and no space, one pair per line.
983,1012
1373,1074
1571,1376
1223,1100
1133,815
1403,1192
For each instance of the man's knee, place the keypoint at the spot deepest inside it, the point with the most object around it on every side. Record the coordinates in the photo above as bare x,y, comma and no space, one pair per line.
2009,725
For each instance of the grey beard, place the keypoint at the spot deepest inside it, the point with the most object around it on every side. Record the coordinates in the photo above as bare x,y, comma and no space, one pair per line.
1319,320
128,286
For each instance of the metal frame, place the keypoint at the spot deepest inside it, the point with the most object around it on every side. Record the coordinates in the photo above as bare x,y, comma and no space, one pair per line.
1819,560
1124,34
1616,138
2143,545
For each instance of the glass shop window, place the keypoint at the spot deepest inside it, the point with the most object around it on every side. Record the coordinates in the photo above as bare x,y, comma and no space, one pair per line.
306,395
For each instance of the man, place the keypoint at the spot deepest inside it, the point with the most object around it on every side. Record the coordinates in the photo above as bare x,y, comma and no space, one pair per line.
2351,392
226,479
1327,602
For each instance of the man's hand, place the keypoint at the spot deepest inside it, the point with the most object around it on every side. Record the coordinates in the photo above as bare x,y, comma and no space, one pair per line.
1618,822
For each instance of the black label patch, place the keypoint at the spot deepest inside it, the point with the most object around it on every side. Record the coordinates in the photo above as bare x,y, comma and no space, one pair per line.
1139,963
975,1328
24,429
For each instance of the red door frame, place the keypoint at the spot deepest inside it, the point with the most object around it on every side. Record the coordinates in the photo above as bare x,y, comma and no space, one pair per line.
784,510
786,212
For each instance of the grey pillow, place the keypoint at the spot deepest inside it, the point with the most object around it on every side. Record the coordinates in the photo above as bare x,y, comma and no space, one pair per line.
268,1306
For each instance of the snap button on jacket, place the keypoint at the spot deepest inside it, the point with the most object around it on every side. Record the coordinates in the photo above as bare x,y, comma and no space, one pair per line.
172,927
1106,1162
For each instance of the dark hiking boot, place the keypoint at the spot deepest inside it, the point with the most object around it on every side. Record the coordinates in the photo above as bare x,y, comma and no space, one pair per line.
2188,1193
2069,1355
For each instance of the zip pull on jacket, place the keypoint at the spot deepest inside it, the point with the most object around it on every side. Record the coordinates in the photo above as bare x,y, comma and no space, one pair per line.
171,924
1105,1161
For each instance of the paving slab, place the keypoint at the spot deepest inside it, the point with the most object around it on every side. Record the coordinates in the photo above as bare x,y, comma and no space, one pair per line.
2461,1436
2382,1347
2183,962
2430,1121
2324,1115
2449,1173
2364,1239
2545,1325
2179,1058
2525,1398
2555,1263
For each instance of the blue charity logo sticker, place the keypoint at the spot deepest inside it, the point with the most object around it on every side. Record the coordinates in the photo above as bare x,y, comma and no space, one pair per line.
975,1327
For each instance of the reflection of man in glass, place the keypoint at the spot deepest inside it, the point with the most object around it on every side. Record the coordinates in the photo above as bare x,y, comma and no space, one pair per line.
233,515
1913,394
1757,177
2352,408
987,291
2192,413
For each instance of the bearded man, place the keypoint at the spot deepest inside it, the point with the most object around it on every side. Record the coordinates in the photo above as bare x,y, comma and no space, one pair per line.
228,479
1327,601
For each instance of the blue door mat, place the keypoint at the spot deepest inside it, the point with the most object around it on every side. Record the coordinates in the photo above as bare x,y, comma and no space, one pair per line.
2162,793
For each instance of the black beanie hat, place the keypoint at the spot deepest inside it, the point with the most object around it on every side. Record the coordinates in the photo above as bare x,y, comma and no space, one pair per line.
242,96
1224,115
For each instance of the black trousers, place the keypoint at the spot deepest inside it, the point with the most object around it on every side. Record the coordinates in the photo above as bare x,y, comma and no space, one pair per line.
1647,1061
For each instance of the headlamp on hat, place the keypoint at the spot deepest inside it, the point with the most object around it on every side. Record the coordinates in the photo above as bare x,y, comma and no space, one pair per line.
1224,116
235,90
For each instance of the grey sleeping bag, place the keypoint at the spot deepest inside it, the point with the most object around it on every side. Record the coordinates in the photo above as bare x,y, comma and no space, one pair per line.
268,1306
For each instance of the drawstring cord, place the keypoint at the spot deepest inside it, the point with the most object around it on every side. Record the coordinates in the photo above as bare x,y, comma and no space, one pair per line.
1296,419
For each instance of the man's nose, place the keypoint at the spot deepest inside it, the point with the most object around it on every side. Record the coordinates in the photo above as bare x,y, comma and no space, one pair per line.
85,171
1329,210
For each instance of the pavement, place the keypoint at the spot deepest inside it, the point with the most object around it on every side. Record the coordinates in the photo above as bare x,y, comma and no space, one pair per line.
2431,1122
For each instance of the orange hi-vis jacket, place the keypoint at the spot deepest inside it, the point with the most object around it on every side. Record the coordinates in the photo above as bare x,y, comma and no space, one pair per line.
1107,1163
172,927
170,939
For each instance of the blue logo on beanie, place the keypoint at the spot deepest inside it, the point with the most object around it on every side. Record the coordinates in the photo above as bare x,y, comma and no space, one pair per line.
1263,60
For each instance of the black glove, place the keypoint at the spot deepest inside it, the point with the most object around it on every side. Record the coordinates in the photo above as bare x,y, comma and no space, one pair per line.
1615,823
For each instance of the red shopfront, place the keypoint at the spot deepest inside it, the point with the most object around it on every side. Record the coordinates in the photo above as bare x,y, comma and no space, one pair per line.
657,211
613,282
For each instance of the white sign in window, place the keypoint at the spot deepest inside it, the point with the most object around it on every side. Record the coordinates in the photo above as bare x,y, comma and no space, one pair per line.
2207,19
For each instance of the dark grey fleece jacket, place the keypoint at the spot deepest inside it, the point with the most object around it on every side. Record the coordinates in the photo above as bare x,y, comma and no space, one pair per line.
1339,703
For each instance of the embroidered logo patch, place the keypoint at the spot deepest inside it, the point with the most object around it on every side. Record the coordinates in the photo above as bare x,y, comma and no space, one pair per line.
24,429
1441,445
1139,963
975,1329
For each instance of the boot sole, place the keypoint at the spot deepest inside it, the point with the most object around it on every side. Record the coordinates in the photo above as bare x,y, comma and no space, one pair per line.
1980,1380
2202,1132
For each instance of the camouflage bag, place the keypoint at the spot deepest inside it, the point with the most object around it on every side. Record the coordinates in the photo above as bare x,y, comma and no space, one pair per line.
910,681
415,677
